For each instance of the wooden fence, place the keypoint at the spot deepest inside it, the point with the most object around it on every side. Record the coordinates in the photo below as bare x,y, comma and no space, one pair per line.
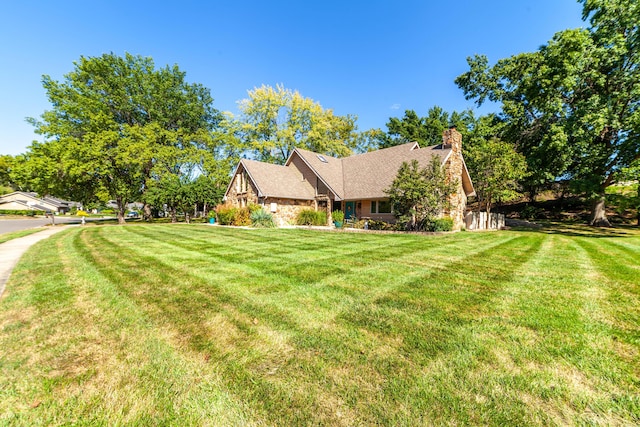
478,221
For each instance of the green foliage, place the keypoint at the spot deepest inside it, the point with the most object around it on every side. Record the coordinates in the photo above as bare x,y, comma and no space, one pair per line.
571,106
337,215
21,212
6,165
115,123
428,130
441,224
311,217
497,170
531,212
262,219
419,195
275,121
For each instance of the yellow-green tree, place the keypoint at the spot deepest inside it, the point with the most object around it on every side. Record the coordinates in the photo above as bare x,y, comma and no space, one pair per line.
276,120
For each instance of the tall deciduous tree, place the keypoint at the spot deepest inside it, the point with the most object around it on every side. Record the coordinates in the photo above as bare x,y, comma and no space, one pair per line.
572,105
496,169
276,120
115,119
418,195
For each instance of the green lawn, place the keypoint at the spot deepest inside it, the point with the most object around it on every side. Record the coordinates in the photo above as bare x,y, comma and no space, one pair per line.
197,325
5,237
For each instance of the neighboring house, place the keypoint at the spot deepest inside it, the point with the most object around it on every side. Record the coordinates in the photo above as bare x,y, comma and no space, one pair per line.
354,184
20,200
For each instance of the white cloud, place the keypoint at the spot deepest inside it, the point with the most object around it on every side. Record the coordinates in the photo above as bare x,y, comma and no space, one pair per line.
395,107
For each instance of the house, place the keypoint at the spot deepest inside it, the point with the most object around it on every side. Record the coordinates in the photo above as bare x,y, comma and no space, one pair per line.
21,200
354,184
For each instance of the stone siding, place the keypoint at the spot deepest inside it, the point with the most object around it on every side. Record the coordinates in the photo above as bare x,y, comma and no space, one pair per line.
242,191
453,172
287,209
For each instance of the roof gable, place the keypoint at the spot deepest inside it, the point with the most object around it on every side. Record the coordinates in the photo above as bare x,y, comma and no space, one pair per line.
277,181
328,169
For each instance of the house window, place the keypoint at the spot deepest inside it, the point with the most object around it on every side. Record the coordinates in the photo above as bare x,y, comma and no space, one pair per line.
380,206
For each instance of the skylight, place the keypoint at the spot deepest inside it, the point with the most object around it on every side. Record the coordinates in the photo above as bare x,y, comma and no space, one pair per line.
321,158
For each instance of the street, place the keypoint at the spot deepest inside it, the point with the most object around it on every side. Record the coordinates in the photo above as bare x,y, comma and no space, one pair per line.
10,225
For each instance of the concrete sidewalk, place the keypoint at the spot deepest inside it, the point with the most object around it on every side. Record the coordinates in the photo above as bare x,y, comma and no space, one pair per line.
11,251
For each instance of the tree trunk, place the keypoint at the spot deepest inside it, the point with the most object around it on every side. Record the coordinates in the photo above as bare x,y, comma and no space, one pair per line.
146,212
599,214
174,215
121,207
186,216
488,223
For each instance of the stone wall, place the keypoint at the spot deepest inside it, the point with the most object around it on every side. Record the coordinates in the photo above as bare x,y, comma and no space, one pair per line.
242,191
287,209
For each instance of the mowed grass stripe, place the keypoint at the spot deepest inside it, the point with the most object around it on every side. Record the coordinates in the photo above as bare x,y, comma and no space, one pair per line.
221,346
192,391
318,341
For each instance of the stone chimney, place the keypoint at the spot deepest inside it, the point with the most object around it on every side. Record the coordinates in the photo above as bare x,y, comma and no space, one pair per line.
451,138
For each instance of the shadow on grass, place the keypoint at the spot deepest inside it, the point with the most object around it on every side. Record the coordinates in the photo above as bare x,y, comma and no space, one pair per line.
582,230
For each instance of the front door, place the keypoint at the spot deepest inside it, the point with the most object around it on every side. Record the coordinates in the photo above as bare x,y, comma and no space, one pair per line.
349,210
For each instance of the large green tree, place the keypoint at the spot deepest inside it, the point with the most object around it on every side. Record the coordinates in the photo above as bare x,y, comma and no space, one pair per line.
114,120
572,105
277,120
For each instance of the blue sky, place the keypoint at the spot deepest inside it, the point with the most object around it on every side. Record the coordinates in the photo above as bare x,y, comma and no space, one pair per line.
373,58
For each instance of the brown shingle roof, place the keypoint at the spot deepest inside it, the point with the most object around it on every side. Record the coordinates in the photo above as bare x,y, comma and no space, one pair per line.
367,175
278,181
361,176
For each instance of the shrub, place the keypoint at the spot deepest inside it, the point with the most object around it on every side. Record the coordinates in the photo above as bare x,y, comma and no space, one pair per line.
379,225
21,212
254,208
242,217
225,214
262,219
311,217
531,212
81,213
442,224
337,215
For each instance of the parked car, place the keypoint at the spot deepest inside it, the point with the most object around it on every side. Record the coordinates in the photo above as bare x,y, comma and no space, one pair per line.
132,214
